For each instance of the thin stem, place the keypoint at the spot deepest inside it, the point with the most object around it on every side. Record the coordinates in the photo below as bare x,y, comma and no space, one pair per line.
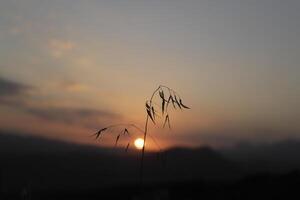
145,137
137,128
143,151
172,94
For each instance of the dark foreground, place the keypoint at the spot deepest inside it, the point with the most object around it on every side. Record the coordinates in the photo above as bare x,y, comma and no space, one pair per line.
259,186
40,169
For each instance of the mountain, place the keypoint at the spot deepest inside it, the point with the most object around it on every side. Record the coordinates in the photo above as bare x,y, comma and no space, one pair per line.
23,143
272,157
202,163
45,164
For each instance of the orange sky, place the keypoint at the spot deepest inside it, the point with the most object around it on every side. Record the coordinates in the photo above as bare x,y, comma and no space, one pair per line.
69,68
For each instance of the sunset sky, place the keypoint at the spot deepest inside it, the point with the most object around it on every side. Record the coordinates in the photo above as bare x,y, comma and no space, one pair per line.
70,67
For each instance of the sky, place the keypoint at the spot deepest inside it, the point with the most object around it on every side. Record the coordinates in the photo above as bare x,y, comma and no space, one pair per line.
71,67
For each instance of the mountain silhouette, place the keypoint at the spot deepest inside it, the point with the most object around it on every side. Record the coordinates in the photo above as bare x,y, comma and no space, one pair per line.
51,165
45,162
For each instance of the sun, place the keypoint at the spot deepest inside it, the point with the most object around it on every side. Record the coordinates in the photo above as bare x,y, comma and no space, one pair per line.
139,143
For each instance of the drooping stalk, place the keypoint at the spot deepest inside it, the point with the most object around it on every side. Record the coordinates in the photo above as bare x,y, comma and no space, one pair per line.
145,137
173,99
143,150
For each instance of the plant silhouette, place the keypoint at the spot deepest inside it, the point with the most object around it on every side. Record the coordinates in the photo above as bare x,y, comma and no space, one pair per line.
167,96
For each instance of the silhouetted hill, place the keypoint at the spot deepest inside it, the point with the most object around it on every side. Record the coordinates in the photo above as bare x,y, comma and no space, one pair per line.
45,165
21,143
201,162
274,157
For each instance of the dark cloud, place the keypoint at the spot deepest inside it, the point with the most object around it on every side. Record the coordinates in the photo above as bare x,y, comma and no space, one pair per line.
13,93
80,116
16,95
11,88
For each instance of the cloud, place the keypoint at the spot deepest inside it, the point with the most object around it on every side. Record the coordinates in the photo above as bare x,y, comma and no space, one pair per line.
17,95
75,116
60,47
71,86
11,88
13,93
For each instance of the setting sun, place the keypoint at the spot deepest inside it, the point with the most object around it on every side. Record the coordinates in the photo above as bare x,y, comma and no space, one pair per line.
139,143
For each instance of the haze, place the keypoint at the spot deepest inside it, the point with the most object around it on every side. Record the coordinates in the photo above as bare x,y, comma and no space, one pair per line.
67,68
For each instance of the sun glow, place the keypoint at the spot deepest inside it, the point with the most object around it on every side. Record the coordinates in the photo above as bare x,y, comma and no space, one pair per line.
139,143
